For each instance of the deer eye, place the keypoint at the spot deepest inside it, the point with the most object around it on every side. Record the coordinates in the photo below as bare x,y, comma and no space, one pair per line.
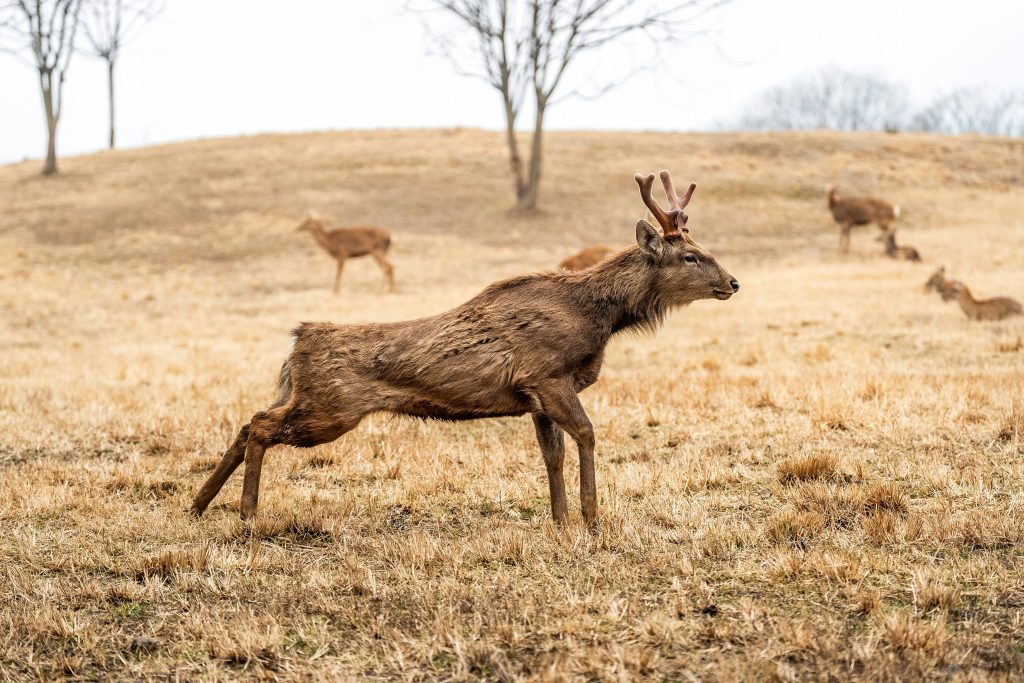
690,258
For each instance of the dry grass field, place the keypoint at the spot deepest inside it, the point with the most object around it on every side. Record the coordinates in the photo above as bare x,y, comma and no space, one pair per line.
820,479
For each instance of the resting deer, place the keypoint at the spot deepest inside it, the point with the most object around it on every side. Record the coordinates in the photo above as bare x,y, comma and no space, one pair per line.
587,257
984,309
896,252
938,283
346,243
525,345
851,211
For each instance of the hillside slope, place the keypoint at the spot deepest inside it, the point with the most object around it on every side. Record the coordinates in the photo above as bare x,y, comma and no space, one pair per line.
233,197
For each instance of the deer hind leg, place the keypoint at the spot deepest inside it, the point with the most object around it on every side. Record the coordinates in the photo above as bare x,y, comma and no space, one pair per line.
228,464
561,404
264,430
552,446
292,425
385,265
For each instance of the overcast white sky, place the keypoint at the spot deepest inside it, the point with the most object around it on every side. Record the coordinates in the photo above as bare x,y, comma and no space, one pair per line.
208,68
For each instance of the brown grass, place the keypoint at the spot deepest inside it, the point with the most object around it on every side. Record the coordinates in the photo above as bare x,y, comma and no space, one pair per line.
817,480
808,467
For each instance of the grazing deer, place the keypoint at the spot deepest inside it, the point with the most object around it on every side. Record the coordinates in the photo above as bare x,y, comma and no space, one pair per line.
525,345
851,211
896,252
587,257
984,309
346,243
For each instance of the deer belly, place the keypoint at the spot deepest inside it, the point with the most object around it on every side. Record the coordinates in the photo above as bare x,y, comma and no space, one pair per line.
451,408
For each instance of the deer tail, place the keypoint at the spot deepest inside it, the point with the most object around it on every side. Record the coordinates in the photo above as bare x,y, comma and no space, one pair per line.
284,378
896,211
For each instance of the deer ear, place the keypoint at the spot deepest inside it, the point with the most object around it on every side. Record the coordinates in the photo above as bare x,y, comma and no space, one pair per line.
649,240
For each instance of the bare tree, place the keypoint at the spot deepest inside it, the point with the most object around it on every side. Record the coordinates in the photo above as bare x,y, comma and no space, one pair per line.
108,25
830,99
45,29
973,110
523,49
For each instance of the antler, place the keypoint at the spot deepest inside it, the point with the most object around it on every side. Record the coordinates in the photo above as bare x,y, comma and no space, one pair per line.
675,200
670,189
668,220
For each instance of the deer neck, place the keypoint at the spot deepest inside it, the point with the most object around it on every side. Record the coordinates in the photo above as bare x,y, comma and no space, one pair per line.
966,299
621,290
320,236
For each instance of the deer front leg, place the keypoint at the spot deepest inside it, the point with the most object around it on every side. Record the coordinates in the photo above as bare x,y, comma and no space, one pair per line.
228,464
844,237
561,404
337,274
552,446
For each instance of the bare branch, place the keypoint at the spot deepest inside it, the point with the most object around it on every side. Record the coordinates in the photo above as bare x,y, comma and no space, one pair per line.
46,30
525,50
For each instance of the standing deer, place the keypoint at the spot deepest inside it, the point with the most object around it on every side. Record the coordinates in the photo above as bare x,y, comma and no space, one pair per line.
346,243
525,345
897,252
851,211
984,309
587,257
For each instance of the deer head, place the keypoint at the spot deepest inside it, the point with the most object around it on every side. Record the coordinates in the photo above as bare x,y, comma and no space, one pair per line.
686,271
937,280
310,223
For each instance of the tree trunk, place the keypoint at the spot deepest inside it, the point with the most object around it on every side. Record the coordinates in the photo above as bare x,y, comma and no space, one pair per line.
515,160
528,197
110,97
46,84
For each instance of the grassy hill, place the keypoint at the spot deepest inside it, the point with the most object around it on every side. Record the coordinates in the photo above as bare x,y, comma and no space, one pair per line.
818,479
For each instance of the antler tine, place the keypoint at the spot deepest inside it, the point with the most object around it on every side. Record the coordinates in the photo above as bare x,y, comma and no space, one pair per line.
670,189
674,199
668,219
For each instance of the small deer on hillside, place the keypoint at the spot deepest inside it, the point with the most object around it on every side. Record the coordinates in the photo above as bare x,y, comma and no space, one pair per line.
897,252
587,257
938,283
996,308
855,211
346,243
525,345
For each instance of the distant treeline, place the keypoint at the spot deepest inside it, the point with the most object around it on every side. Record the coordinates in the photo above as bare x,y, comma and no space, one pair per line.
842,100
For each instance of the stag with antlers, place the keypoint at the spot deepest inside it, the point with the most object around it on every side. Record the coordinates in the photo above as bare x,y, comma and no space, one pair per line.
525,345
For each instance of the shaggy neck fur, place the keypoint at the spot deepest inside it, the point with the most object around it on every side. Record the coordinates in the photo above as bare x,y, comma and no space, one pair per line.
623,289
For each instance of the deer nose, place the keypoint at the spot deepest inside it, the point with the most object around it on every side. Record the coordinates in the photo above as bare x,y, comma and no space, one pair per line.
735,285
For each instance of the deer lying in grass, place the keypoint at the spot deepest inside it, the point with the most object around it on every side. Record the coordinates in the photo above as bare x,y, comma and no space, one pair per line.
346,243
896,252
587,257
525,345
984,309
854,211
938,283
